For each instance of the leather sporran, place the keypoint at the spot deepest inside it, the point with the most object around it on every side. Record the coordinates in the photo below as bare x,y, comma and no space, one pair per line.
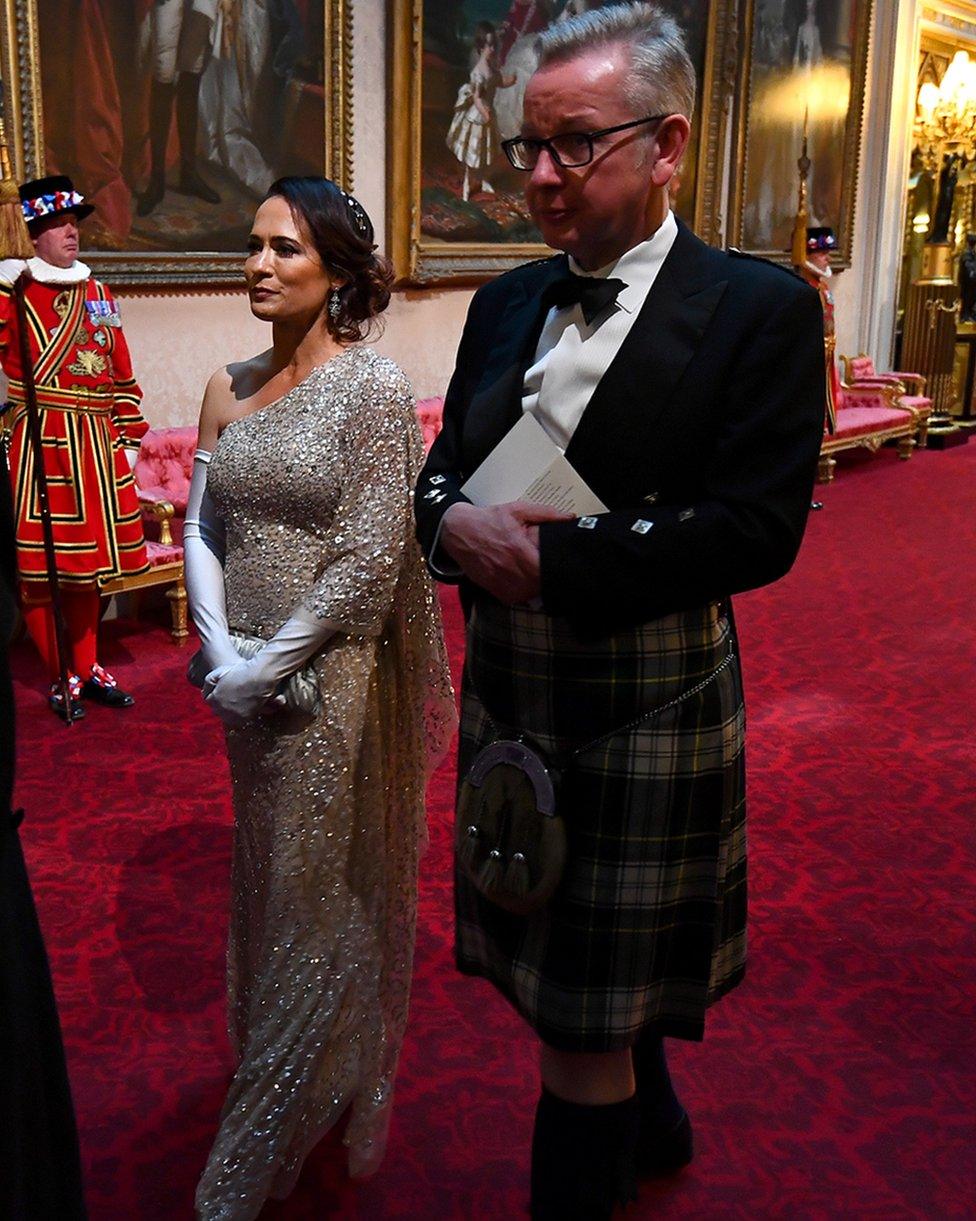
510,842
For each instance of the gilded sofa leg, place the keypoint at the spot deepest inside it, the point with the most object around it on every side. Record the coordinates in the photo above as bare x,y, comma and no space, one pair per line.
825,468
923,434
177,610
905,447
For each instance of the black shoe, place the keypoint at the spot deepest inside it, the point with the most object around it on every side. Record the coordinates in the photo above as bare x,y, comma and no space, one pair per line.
191,183
151,196
55,700
661,1153
102,688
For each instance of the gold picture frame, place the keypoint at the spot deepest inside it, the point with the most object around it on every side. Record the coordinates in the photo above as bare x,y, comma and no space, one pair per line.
797,62
421,259
320,98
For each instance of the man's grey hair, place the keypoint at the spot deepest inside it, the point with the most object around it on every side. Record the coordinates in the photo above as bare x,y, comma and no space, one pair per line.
663,77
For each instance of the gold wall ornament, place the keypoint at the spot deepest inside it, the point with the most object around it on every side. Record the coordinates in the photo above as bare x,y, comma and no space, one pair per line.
802,210
928,346
171,255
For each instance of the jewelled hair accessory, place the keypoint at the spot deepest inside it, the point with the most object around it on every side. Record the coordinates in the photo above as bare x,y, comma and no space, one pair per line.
359,217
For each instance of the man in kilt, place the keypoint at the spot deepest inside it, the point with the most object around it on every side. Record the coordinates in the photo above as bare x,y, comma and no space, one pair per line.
686,387
91,426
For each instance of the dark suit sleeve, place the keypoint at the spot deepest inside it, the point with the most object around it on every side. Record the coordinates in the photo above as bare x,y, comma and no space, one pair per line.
439,483
742,526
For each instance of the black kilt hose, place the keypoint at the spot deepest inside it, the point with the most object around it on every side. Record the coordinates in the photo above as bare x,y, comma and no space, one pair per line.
648,925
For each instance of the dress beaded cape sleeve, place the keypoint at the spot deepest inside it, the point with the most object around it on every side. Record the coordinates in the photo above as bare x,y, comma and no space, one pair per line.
315,494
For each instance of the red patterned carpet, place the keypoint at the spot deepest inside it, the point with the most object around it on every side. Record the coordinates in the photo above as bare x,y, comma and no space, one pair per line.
837,1082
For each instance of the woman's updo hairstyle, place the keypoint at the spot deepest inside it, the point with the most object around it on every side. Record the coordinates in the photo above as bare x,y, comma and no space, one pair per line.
342,234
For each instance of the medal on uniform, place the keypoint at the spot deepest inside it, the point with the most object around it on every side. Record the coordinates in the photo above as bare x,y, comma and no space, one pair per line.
104,313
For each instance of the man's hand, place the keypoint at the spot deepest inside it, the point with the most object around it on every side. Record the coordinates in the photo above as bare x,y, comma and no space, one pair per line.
498,547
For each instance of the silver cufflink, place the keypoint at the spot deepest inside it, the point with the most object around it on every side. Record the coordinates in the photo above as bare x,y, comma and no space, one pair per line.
652,498
430,495
587,523
438,497
685,514
641,526
437,478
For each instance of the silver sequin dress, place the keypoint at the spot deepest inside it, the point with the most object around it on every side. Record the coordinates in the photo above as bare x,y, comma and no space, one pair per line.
315,494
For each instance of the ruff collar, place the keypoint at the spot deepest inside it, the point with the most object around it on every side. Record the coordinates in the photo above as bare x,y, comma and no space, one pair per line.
44,273
824,273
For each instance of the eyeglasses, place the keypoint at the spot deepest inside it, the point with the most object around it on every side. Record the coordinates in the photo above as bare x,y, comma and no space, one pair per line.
573,149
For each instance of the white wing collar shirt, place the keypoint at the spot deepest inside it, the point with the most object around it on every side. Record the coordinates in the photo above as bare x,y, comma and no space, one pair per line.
571,356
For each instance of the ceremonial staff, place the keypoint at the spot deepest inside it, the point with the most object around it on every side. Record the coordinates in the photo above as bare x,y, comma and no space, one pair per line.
15,243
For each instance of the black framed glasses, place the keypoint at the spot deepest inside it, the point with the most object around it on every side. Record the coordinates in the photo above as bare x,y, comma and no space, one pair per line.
570,150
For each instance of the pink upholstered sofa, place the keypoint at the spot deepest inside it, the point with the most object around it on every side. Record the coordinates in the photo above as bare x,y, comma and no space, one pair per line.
868,415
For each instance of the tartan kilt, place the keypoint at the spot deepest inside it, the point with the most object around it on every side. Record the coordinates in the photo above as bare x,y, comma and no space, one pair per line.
648,925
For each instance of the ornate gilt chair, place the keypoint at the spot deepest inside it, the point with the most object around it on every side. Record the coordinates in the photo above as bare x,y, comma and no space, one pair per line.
162,474
860,371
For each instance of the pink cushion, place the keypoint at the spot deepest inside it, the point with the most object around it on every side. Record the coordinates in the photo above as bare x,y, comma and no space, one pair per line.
430,415
160,554
165,464
918,401
861,421
861,366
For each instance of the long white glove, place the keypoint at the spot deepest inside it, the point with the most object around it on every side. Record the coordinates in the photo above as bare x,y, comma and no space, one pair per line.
203,557
239,692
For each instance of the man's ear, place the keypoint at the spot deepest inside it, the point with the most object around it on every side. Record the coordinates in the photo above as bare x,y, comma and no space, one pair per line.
672,138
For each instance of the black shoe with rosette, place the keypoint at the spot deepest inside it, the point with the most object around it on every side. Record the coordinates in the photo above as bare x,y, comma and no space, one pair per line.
102,688
55,700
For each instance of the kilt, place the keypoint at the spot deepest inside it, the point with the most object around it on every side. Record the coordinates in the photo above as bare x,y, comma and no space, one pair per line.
648,925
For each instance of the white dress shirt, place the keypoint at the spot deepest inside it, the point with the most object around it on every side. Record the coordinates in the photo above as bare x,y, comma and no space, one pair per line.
571,357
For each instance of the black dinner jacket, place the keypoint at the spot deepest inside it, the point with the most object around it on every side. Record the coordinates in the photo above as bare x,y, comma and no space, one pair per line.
707,425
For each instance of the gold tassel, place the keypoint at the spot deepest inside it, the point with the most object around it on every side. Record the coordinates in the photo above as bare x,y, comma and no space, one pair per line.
15,242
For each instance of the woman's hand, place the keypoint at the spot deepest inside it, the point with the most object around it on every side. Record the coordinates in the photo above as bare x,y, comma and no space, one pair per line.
241,692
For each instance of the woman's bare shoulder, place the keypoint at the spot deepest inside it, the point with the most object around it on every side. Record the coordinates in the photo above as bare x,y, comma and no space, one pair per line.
226,388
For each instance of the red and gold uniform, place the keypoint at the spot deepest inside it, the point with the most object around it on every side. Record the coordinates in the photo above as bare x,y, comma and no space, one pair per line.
816,271
89,409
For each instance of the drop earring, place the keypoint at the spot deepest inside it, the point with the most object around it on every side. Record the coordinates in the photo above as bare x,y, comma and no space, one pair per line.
334,304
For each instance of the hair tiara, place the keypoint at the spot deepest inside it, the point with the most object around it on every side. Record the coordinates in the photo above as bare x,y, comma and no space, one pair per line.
359,217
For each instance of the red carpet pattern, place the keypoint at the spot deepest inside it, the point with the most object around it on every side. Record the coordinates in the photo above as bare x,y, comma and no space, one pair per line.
837,1081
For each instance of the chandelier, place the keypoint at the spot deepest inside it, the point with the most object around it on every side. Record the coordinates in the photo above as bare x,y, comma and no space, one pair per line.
945,119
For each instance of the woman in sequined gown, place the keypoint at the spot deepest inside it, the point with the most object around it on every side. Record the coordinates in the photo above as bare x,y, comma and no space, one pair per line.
299,532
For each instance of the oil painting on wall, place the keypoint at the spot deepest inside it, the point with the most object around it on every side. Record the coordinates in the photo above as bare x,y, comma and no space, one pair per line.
803,75
174,116
466,79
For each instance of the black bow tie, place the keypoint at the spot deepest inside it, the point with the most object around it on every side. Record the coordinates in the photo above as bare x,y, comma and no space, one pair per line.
591,293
